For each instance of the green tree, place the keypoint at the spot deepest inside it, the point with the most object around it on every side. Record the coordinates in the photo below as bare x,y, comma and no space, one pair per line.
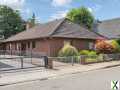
118,41
10,21
81,16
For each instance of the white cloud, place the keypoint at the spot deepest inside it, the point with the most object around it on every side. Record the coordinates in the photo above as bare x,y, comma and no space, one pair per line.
61,2
90,9
58,15
96,7
15,4
26,12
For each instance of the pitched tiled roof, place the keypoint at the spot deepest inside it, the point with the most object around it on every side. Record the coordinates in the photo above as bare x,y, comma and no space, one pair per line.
109,28
39,31
72,30
58,28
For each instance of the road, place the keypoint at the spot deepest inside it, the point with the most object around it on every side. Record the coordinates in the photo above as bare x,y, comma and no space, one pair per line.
91,80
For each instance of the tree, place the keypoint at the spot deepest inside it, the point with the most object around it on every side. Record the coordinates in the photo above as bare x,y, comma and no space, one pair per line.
81,16
10,21
118,41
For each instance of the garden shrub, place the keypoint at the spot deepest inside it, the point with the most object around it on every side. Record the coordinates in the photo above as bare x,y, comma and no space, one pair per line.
92,53
104,47
84,52
68,50
115,45
88,52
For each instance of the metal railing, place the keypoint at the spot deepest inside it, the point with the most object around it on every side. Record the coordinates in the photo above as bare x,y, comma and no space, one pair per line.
87,59
12,59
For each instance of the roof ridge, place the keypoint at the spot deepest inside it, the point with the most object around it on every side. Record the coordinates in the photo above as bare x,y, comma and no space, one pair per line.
111,19
57,26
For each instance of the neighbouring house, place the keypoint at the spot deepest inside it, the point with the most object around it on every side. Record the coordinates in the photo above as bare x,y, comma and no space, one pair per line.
109,28
49,38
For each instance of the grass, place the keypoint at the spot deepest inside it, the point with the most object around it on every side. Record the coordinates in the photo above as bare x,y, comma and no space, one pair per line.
91,60
94,59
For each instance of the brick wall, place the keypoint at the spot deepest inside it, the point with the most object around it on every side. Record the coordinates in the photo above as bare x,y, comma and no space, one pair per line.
50,46
57,43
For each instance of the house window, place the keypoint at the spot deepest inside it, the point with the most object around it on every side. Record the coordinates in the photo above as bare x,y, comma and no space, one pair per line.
33,44
91,45
28,44
67,42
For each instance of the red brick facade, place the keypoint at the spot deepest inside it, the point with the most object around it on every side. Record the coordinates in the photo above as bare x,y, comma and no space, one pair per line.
49,46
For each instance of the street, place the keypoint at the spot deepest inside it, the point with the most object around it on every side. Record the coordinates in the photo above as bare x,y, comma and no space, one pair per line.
91,80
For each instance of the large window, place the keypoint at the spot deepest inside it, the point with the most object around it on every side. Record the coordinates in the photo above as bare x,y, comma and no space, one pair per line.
33,44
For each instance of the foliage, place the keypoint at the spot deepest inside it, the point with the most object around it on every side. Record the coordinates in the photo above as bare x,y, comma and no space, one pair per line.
84,52
10,21
68,50
81,16
91,60
87,52
118,41
92,53
116,45
104,47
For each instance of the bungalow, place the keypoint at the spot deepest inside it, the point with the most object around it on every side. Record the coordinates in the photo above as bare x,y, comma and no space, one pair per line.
49,38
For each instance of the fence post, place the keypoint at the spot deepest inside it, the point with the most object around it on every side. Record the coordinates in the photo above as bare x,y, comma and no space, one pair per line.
83,59
31,56
49,62
72,59
46,61
103,57
21,63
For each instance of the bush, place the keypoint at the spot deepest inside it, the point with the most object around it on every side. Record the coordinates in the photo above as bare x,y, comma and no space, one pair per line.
84,52
87,52
104,47
68,50
92,53
115,45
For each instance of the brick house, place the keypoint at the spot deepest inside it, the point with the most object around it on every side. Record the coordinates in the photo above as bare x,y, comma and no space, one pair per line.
49,38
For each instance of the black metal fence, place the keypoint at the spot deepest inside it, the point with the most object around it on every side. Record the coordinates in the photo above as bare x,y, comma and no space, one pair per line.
11,59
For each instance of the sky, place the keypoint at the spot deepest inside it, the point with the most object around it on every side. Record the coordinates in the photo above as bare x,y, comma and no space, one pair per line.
47,10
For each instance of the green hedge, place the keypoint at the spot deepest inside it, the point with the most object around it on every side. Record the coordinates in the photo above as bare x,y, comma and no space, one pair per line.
87,52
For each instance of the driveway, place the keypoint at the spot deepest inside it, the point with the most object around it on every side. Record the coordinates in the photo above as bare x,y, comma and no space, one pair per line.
91,80
8,62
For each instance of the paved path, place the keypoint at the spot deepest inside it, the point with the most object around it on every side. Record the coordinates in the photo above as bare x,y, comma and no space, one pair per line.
8,62
91,80
42,73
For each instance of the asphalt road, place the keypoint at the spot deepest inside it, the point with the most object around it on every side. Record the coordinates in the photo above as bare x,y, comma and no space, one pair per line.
91,80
